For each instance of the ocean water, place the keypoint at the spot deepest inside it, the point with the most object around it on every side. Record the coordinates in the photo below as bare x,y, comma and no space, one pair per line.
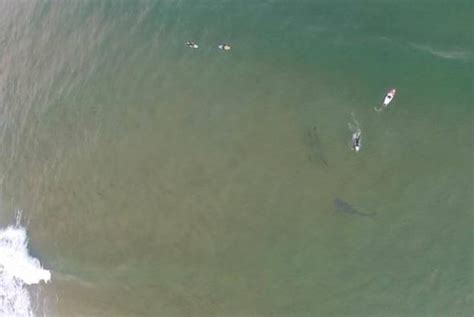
158,180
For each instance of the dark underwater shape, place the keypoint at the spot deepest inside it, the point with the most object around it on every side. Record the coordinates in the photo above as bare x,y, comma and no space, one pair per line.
342,206
316,149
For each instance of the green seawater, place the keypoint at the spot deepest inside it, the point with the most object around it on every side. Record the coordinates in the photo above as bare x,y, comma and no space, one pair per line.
158,180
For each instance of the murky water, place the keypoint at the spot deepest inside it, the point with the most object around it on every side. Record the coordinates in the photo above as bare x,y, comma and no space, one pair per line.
159,180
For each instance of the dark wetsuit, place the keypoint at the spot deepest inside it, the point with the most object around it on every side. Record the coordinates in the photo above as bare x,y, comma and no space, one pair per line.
356,142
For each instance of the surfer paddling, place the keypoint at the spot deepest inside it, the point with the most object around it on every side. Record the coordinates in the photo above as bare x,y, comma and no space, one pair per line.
356,138
388,99
224,47
192,44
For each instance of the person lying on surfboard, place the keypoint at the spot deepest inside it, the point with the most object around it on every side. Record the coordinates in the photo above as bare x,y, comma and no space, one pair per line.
388,99
192,44
224,47
356,137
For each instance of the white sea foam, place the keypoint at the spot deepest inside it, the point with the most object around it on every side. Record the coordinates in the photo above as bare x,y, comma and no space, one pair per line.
447,54
17,270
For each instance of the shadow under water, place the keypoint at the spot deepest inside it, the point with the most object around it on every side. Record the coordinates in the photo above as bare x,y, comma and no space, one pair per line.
344,207
316,152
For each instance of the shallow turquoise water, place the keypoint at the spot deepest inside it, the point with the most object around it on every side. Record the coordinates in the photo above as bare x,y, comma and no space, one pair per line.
159,180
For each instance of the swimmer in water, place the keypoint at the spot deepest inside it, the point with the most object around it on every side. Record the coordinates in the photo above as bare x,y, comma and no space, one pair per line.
356,137
191,44
224,47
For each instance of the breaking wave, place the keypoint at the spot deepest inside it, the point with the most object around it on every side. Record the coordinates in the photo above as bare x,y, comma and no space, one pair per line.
17,270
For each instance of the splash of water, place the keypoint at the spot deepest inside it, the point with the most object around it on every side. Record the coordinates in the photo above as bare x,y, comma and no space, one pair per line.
17,269
354,127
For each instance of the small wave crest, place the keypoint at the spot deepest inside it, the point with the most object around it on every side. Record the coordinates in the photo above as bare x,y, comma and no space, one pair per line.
354,125
447,54
17,270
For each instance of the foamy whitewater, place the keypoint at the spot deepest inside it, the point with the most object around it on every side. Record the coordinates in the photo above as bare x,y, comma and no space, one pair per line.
17,270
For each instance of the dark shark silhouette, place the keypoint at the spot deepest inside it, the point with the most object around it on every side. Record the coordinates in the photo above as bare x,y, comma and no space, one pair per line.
316,149
342,206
